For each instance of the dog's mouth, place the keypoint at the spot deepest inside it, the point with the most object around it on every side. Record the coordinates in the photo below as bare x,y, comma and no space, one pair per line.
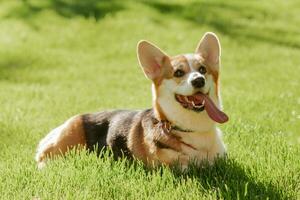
198,102
191,102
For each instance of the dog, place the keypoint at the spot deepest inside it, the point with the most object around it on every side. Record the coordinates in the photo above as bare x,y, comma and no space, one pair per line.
179,128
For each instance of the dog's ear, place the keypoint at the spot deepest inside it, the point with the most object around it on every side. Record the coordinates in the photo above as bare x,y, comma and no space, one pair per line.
153,61
209,48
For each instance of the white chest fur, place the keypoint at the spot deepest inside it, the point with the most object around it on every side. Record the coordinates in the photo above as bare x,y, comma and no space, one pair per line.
201,146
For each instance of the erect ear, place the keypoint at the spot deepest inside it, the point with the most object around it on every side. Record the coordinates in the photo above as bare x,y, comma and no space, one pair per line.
153,61
209,48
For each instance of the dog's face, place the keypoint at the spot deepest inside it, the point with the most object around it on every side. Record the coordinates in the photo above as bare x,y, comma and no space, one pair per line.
185,87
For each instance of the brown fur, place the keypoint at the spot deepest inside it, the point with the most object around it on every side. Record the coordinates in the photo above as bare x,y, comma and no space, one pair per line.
157,109
137,144
166,72
215,75
72,136
143,139
180,62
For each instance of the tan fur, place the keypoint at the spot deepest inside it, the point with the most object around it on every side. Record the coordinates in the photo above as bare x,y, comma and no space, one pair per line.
168,139
158,110
69,135
180,62
215,75
170,157
137,143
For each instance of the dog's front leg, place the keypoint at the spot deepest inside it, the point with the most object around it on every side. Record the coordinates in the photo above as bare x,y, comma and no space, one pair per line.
170,157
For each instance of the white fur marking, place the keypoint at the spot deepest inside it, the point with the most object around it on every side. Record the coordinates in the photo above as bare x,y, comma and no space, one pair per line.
190,58
50,139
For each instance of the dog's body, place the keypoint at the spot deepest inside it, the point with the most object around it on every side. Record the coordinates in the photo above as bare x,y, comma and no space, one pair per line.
180,127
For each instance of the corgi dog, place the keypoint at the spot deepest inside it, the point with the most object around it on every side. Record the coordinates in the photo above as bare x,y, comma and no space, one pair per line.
179,128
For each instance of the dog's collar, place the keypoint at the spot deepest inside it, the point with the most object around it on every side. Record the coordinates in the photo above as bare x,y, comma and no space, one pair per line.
167,126
177,128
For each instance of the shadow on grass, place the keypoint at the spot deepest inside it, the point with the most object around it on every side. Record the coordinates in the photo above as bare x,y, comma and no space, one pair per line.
232,19
96,9
229,180
19,67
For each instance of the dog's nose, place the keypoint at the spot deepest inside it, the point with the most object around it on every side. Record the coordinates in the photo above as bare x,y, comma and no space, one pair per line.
198,82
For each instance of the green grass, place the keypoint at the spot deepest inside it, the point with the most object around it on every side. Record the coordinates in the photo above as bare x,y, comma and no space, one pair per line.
63,57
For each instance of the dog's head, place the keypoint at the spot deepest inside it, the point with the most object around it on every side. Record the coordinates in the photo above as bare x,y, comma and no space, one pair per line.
185,87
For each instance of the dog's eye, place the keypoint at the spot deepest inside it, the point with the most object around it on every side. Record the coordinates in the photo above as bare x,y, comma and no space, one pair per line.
202,70
179,73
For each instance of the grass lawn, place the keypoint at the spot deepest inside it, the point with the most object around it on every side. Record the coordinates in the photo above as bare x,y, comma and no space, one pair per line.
63,57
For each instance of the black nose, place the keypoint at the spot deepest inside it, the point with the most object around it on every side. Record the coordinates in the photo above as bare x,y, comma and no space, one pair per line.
198,82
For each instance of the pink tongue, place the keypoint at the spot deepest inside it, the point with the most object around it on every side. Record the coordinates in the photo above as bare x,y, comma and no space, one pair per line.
211,109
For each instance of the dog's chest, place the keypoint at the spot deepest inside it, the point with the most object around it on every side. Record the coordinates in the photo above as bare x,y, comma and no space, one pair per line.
199,141
198,145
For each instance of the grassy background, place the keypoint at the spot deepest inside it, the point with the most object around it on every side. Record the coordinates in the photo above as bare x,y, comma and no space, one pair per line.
63,57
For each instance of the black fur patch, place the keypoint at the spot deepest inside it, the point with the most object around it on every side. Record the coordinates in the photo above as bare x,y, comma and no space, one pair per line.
109,129
95,132
119,146
161,145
